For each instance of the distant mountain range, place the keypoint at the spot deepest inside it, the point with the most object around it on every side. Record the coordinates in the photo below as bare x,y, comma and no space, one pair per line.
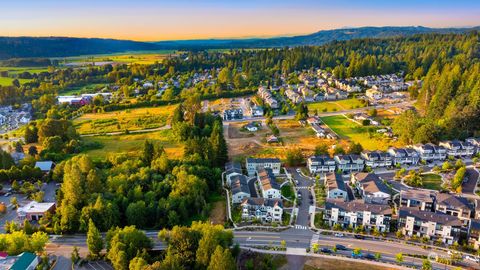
25,47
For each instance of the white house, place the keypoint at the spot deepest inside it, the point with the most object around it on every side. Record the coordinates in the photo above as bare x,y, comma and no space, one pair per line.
371,188
266,210
268,185
239,187
253,164
335,187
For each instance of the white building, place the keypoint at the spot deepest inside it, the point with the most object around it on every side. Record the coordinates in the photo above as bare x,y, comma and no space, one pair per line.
268,185
320,164
335,187
371,188
253,164
266,210
239,187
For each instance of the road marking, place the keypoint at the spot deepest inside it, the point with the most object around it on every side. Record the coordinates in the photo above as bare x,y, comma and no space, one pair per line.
301,227
249,236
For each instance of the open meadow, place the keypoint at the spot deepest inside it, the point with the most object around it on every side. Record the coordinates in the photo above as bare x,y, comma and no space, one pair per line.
129,119
336,105
6,81
365,135
131,143
142,57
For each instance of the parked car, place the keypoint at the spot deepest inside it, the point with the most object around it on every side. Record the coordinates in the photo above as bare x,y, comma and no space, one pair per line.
7,194
325,250
472,258
298,170
341,247
339,235
359,236
356,255
370,256
311,202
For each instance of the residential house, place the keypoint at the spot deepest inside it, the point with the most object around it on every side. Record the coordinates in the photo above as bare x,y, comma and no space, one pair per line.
420,199
266,210
319,131
233,114
454,148
454,206
475,142
404,156
272,139
376,159
253,164
356,213
34,210
231,169
430,152
371,188
256,111
268,185
335,187
431,225
373,94
252,127
474,233
349,163
239,188
320,164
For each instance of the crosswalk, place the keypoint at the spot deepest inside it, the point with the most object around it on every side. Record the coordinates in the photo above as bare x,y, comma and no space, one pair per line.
314,240
301,227
303,187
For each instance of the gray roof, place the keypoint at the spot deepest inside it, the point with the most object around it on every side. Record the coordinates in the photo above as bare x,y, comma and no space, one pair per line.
427,216
267,179
418,195
365,177
334,181
263,160
452,201
262,201
239,184
358,205
233,167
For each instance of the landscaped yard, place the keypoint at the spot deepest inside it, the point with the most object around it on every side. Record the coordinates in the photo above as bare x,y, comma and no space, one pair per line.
287,192
132,143
131,119
336,105
432,181
350,130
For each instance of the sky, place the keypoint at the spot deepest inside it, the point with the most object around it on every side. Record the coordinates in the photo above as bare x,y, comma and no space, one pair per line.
150,20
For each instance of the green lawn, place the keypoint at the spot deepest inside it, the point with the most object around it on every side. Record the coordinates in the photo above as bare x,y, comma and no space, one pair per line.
17,70
133,143
432,181
87,89
287,192
336,105
6,81
350,130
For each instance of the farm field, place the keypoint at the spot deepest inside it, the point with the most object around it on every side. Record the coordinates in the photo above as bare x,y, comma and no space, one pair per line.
17,70
432,181
143,58
131,143
6,81
350,130
336,105
130,119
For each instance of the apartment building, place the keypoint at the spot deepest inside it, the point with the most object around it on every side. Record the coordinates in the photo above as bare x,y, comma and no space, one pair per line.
376,159
335,187
239,188
356,213
454,206
349,163
429,224
371,188
266,210
404,156
420,199
268,185
321,164
253,164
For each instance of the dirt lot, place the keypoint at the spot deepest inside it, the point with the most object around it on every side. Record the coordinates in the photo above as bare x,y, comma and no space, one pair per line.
243,144
323,263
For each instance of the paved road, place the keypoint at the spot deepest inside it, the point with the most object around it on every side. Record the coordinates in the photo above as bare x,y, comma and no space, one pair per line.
469,186
303,204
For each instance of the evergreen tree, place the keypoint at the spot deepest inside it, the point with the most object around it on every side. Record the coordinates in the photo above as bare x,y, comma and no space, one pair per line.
94,240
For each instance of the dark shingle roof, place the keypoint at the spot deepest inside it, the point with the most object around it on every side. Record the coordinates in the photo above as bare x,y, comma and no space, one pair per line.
239,184
333,181
452,201
358,205
427,216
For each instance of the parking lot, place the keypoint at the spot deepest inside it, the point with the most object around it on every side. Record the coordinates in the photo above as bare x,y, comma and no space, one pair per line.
96,265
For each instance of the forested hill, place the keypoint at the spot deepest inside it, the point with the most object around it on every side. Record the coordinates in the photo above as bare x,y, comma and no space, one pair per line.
318,38
27,47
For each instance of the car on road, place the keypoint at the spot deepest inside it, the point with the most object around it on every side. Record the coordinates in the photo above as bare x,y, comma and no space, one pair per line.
298,170
341,247
359,236
339,235
310,197
370,256
7,194
296,182
472,258
325,250
311,202
355,256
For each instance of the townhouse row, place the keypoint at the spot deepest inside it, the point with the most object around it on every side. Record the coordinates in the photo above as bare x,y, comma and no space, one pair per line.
394,156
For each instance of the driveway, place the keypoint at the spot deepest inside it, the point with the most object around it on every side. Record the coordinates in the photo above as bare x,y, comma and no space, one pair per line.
303,204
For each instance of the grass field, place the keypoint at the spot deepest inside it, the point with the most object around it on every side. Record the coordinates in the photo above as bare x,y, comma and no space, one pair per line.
132,143
144,57
350,130
336,105
432,181
17,70
6,81
87,89
131,119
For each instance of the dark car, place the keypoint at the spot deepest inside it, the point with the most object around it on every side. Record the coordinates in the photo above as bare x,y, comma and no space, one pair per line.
325,250
370,256
359,236
310,197
341,247
311,202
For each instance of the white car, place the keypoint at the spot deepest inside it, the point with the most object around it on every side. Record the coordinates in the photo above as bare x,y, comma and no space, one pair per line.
472,258
339,235
299,171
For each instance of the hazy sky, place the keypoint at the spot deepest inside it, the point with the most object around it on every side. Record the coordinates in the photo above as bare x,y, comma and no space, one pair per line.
193,19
